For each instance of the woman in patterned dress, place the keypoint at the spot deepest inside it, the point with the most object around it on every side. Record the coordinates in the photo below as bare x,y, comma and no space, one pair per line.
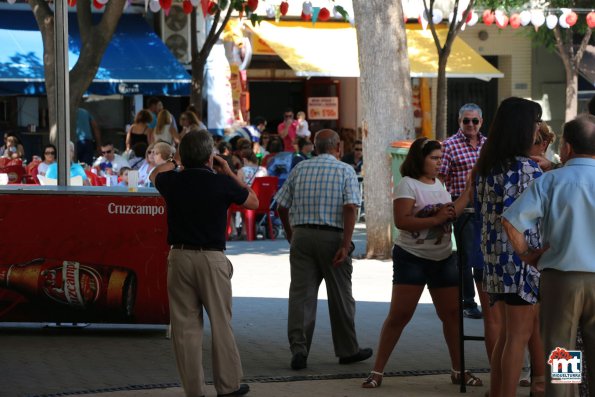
503,171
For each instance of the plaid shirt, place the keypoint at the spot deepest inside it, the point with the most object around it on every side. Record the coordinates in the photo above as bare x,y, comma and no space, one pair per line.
458,158
316,191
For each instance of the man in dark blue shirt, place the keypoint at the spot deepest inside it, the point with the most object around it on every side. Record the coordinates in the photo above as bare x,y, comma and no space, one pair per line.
199,274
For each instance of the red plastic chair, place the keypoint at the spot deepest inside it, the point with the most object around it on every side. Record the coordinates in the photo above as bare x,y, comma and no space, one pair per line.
265,188
16,173
31,173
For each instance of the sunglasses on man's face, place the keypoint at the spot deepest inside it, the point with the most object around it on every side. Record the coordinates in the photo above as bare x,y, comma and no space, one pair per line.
288,116
475,121
48,153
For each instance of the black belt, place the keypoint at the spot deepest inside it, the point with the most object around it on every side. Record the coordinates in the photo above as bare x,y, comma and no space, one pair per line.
320,227
193,247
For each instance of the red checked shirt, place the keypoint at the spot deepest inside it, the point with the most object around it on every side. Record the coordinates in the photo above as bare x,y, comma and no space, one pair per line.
458,158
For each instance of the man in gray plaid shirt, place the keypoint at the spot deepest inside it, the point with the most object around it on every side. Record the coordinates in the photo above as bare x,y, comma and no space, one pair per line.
318,206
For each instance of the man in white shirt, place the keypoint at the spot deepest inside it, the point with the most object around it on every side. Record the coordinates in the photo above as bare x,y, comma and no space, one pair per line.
109,163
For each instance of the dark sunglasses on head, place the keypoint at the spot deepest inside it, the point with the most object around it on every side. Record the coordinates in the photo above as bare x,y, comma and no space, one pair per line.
466,121
106,151
287,116
52,153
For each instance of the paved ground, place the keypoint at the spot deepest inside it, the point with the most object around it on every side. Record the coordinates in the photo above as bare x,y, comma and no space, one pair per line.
131,361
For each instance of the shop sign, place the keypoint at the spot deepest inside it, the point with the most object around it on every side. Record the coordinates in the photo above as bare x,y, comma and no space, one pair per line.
323,108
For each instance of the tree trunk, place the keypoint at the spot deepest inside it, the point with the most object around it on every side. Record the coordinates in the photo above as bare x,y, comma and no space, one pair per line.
94,41
441,99
387,112
571,94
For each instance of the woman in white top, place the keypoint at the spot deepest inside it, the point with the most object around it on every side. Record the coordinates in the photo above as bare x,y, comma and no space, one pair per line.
164,129
423,212
145,170
49,157
251,169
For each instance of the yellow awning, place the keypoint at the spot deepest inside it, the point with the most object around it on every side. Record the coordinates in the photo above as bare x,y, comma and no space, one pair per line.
330,49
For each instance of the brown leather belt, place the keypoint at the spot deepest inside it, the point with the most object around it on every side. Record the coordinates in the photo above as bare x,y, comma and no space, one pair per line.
320,227
193,247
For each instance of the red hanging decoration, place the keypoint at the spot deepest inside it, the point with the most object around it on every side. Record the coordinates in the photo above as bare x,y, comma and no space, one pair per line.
187,6
306,17
252,5
284,7
165,4
488,17
515,21
71,3
591,19
97,5
324,14
571,18
213,7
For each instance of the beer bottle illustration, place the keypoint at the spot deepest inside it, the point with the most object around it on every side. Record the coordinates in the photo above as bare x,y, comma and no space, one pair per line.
80,286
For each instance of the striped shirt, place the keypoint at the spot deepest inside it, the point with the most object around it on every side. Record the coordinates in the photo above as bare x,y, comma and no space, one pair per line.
458,158
316,191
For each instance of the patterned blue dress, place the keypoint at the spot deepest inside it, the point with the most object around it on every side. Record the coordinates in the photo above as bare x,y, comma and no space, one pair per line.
504,271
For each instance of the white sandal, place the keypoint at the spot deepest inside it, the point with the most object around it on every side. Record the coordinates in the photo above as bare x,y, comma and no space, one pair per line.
373,380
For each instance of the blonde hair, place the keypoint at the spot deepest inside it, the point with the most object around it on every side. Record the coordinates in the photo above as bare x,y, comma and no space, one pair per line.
302,114
545,133
166,150
163,118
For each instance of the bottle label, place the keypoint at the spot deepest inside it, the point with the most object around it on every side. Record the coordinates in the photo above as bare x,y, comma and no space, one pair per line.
72,284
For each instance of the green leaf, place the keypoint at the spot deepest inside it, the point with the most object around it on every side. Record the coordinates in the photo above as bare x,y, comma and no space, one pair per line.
223,4
342,11
255,19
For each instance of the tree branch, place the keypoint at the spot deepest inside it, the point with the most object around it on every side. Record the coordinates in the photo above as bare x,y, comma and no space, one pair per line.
83,15
582,48
561,49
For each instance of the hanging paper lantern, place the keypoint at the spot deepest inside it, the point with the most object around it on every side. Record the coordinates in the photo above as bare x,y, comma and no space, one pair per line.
537,18
307,8
474,18
469,16
271,11
571,18
71,3
452,15
551,21
488,17
324,14
525,18
591,19
501,19
102,2
306,17
165,4
515,21
562,19
284,7
97,5
187,6
252,5
437,16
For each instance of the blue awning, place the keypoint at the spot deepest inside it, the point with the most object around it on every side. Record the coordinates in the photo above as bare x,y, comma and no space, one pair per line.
135,62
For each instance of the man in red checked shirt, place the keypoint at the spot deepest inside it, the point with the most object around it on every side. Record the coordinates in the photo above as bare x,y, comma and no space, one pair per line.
287,130
459,154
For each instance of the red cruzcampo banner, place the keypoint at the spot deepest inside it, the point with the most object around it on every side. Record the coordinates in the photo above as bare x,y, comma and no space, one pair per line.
83,258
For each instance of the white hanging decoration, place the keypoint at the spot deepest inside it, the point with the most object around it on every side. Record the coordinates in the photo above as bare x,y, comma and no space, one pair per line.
307,8
271,11
499,15
104,2
525,18
423,19
154,5
12,1
195,3
451,16
551,21
474,19
562,19
537,18
437,16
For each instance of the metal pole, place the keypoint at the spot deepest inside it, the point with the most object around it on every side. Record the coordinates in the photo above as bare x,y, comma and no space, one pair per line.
62,91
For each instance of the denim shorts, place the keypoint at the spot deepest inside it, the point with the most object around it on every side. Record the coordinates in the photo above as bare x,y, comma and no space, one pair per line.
409,269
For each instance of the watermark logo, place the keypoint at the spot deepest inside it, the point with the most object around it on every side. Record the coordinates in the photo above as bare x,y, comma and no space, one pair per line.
566,365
